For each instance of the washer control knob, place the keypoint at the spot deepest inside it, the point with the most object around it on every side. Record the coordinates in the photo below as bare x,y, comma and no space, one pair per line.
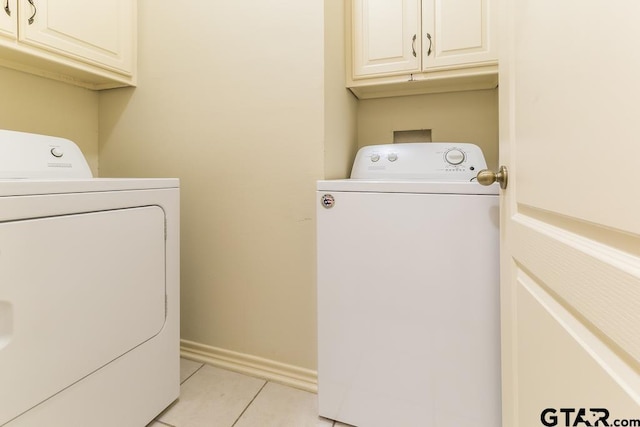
57,152
454,156
375,157
392,157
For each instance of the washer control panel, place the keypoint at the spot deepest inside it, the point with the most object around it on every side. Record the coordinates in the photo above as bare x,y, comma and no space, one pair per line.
439,161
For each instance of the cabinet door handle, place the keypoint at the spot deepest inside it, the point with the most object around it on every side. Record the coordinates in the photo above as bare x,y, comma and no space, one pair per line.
35,10
6,8
413,44
428,36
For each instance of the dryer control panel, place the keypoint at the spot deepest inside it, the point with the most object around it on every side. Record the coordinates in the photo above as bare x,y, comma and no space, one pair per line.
32,156
437,161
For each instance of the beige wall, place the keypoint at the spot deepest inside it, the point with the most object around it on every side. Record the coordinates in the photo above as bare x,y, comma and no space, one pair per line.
340,138
457,117
38,105
231,99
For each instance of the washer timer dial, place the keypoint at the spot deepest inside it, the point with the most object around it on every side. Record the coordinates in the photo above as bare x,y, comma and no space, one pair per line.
454,156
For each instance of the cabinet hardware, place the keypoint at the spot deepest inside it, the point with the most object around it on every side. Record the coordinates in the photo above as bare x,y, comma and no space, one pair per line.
35,10
429,51
413,45
6,8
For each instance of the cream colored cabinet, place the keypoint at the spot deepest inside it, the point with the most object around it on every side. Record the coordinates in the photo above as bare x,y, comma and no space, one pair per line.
458,33
88,43
402,47
8,23
385,37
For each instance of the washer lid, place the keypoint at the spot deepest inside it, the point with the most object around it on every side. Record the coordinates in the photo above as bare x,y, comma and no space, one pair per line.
32,156
435,161
407,186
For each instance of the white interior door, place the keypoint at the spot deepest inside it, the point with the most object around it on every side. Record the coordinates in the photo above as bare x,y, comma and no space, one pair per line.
570,243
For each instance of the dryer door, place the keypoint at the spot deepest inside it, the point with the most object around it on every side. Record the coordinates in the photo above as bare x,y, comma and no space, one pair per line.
76,292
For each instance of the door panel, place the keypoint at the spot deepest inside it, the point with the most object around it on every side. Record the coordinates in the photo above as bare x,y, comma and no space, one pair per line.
576,109
574,269
588,375
570,242
461,32
97,32
9,19
76,292
383,33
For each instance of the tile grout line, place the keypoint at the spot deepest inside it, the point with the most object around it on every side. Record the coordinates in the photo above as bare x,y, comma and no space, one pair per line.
249,404
172,403
192,374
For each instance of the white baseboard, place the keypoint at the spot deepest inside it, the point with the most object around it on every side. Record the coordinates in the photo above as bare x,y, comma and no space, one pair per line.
290,375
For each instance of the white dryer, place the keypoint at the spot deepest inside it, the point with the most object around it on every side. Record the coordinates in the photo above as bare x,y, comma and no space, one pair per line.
408,290
89,290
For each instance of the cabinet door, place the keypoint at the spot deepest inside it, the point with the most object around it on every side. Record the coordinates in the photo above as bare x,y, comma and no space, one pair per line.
386,37
96,32
9,19
457,32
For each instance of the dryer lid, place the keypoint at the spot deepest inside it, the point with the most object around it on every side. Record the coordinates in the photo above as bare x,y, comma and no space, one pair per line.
32,156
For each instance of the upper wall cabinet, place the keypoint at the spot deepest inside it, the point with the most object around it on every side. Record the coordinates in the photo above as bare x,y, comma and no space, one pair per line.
404,47
8,23
386,37
87,43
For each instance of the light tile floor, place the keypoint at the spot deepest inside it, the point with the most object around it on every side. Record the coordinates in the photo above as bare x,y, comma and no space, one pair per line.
214,397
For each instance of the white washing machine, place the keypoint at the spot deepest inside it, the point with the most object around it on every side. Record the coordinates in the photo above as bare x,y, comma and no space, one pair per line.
408,290
89,290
